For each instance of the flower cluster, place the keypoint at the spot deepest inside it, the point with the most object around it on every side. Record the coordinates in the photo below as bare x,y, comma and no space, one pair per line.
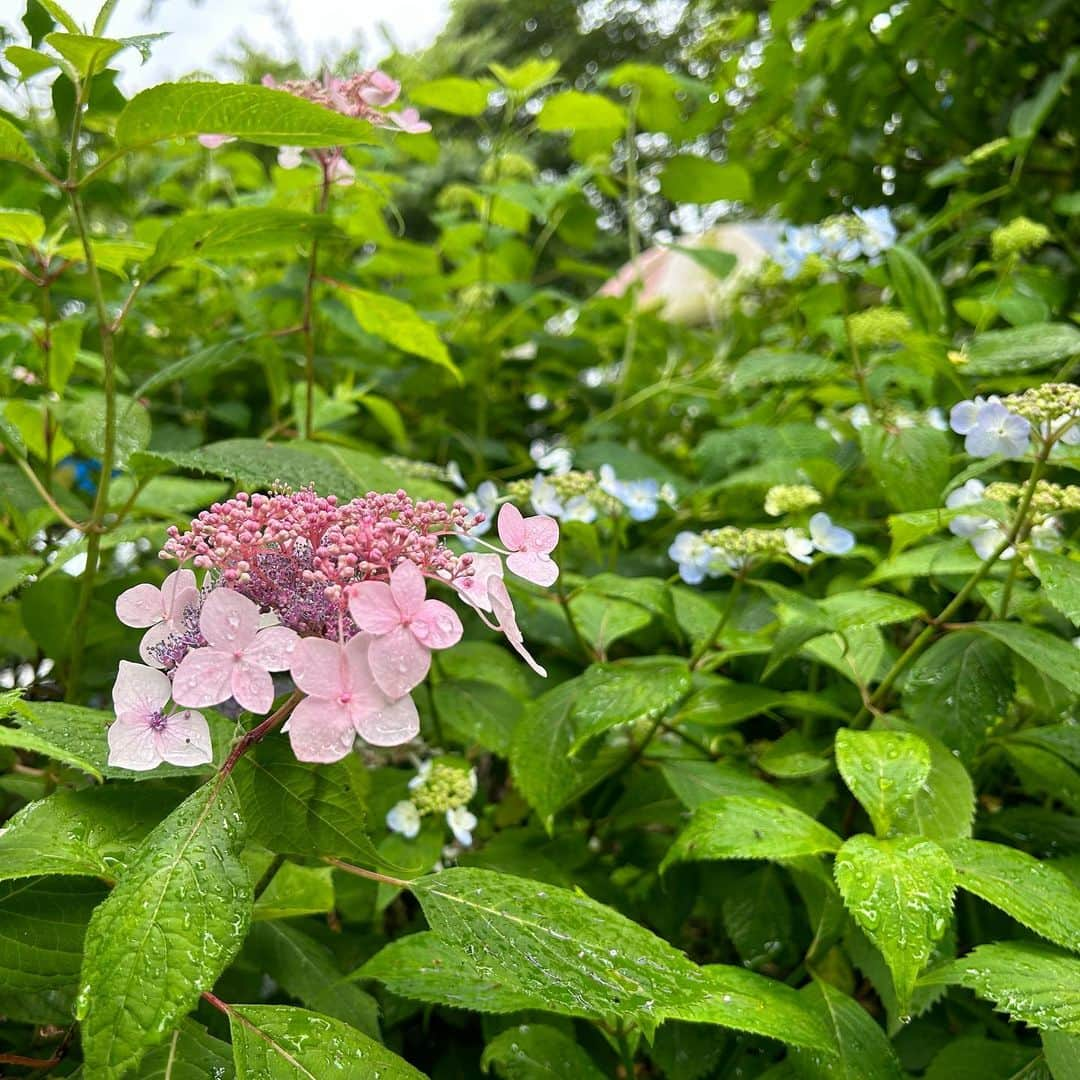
842,238
335,594
878,326
986,535
1053,408
721,551
790,499
1019,237
442,786
989,427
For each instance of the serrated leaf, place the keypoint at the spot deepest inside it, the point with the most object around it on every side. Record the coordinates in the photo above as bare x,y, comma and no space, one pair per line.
883,770
1053,656
738,827
698,782
538,1052
911,465
215,358
1023,348
278,1042
295,891
862,1050
900,893
1035,894
580,956
767,367
426,968
1060,578
86,54
1033,983
176,918
746,1001
258,114
478,711
190,1053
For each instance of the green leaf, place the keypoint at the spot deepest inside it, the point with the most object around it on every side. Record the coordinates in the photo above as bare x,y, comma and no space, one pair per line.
743,1000
1031,114
42,926
918,289
296,890
1053,656
718,263
911,465
1023,348
68,733
1060,578
1062,1053
861,608
175,920
975,1057
215,358
698,782
739,827
30,62
301,809
399,324
1035,894
883,770
721,703
644,688
258,114
1033,983
87,55
277,1042
238,233
958,688
60,15
13,145
573,110
538,1052
190,1053
583,958
930,560
528,76
461,97
479,712
88,832
862,1048
306,969
84,422
21,226
687,178
426,968
767,367
900,893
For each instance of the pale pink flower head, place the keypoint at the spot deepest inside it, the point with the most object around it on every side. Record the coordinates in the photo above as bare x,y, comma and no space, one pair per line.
408,120
343,701
530,542
238,658
405,627
212,142
165,611
143,734
382,90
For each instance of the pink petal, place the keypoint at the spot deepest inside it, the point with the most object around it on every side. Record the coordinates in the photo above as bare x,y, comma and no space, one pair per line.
437,625
203,677
408,587
541,533
273,648
185,740
373,608
389,723
252,687
132,744
474,588
154,636
229,621
398,661
212,142
142,691
358,679
178,592
534,567
320,730
317,667
141,605
511,527
503,608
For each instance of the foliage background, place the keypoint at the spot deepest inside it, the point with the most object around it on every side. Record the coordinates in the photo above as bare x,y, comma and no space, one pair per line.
456,319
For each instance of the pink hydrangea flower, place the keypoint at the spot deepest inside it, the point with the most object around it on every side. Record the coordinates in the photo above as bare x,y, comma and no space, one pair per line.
506,620
530,541
143,734
405,626
238,658
473,588
212,142
343,701
408,120
165,611
382,90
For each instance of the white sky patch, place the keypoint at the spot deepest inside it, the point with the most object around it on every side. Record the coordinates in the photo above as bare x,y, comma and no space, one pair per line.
201,34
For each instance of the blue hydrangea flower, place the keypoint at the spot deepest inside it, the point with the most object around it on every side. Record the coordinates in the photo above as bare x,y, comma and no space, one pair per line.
545,500
989,428
798,243
693,556
640,497
484,500
879,233
828,538
966,525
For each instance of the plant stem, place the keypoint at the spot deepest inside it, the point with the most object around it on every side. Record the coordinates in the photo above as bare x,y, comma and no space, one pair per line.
259,732
916,648
308,321
729,610
633,240
371,875
856,361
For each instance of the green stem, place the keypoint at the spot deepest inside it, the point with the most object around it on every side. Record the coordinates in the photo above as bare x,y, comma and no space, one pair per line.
729,610
308,321
634,244
853,349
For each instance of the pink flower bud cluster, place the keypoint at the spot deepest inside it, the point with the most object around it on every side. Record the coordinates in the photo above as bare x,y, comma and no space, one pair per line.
335,594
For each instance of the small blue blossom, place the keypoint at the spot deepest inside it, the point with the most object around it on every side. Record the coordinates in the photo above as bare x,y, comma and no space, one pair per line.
879,233
798,243
640,497
551,457
966,525
484,500
828,538
545,500
989,428
693,555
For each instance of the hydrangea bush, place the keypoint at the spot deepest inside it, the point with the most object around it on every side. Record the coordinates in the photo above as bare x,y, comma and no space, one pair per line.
435,647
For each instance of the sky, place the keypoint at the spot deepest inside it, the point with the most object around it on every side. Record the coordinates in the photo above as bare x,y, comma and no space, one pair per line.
201,32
